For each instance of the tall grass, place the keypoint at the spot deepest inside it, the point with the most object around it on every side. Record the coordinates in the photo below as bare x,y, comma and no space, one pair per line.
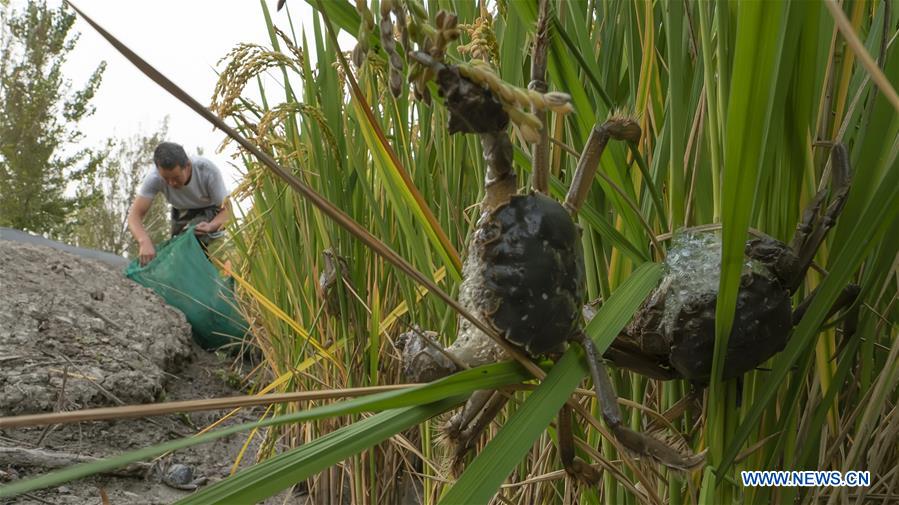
733,99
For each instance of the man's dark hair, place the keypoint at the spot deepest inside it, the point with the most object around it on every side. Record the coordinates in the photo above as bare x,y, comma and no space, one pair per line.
169,155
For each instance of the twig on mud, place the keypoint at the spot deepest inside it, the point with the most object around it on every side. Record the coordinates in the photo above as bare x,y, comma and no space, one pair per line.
12,440
48,459
96,313
60,405
91,381
37,498
156,409
117,400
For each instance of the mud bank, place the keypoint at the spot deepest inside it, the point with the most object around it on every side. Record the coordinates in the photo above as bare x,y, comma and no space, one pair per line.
65,320
75,333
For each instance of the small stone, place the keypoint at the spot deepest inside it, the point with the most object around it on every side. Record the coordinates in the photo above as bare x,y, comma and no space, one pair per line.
96,323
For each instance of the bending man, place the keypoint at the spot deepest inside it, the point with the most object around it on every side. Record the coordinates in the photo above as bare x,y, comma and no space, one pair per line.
195,189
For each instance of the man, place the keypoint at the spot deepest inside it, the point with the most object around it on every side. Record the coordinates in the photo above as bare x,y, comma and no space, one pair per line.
195,189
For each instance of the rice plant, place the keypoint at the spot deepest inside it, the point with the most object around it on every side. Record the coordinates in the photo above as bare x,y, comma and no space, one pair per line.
733,100
738,104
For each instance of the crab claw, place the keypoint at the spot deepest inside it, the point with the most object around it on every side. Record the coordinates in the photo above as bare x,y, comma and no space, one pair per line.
639,443
618,128
473,108
423,359
623,128
644,445
575,467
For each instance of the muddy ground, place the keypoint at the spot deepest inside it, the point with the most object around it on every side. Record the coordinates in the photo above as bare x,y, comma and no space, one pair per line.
74,334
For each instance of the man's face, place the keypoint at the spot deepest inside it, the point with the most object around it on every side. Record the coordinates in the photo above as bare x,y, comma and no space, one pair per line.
176,177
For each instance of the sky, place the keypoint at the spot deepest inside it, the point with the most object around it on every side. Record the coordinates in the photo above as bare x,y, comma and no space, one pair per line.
184,39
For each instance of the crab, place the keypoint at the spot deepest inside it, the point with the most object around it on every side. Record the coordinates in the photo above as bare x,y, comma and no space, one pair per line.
524,275
672,335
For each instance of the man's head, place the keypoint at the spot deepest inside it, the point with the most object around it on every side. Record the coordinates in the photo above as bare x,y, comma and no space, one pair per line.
172,164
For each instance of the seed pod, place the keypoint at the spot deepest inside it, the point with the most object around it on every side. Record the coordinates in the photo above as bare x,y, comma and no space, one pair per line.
505,92
402,28
446,20
366,24
359,52
395,79
417,9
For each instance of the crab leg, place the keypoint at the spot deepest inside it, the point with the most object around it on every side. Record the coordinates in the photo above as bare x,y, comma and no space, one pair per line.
845,299
575,466
608,401
624,355
540,150
475,404
500,181
476,419
618,128
811,230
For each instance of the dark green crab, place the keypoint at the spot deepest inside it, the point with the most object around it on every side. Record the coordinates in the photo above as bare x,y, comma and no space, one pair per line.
673,334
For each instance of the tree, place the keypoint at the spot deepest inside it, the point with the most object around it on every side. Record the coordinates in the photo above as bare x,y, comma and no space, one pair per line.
39,116
101,223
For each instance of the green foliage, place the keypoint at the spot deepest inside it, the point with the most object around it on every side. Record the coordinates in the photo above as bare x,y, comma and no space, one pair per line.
731,98
39,115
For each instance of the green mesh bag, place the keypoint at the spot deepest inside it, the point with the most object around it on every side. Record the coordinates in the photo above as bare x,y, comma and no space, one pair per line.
183,276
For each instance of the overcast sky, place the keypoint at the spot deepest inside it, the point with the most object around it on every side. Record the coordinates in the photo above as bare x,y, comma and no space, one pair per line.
184,39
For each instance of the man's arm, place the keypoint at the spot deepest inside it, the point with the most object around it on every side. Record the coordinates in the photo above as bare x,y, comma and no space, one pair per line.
217,222
218,193
136,215
222,217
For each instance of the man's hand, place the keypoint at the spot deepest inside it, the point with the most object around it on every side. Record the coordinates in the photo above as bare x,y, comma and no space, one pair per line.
203,228
147,252
136,215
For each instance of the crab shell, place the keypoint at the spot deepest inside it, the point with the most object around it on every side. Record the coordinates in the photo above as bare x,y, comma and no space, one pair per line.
535,273
761,326
525,276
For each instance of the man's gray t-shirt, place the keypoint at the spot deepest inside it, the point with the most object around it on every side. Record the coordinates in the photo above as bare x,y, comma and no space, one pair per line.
205,188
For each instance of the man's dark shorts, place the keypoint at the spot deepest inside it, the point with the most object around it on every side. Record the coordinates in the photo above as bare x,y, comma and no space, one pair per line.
183,218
